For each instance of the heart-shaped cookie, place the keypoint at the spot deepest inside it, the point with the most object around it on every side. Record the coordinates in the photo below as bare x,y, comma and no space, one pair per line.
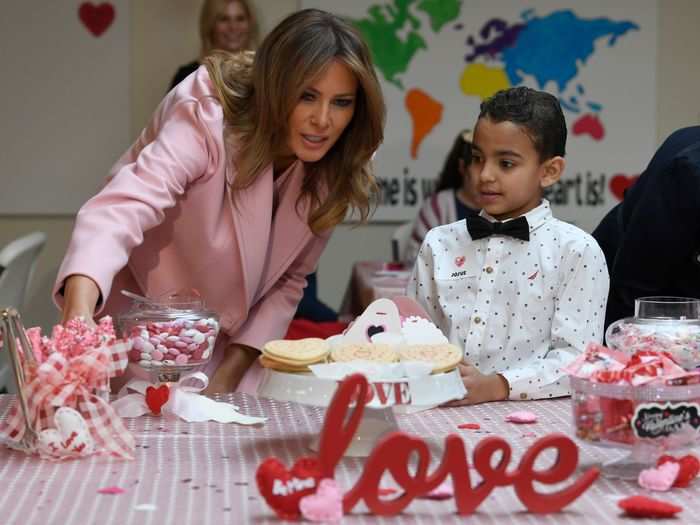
283,488
69,439
324,506
157,397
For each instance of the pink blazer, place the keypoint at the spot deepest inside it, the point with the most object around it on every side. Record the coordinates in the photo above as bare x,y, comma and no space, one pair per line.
165,221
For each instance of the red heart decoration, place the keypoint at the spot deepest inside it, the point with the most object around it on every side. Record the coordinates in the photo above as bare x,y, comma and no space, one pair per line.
643,507
459,261
96,18
157,397
689,468
283,489
620,182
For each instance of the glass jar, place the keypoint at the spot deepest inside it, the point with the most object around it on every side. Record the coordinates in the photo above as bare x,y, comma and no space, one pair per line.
171,334
670,324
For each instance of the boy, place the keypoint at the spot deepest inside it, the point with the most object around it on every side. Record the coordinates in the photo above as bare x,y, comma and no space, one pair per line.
520,291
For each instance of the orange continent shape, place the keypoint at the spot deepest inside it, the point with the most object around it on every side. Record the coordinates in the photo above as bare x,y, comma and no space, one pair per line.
425,112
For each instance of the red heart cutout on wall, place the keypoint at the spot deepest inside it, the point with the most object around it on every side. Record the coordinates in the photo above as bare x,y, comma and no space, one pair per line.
283,489
96,18
157,397
619,183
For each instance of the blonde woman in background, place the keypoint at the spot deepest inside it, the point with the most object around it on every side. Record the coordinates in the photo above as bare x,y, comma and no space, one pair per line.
226,25
234,188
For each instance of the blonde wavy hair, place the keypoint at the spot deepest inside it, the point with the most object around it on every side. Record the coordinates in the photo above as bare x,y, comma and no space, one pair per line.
211,9
258,92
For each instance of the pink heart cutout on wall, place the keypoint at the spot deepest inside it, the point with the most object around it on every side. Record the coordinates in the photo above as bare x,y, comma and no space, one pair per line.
620,182
96,18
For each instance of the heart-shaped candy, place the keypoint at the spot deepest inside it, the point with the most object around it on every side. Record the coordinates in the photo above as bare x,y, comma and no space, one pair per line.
157,397
325,505
70,439
283,488
643,507
660,478
689,468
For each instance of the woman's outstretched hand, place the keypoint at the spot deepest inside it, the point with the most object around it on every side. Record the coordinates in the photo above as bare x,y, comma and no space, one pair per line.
80,297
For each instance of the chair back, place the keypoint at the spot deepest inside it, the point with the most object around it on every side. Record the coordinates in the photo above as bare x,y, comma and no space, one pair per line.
399,241
17,262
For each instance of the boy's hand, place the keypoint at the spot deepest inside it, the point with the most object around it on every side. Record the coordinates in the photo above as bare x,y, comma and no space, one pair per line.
480,387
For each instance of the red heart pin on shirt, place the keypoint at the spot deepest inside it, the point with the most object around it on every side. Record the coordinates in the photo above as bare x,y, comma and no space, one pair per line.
157,397
96,18
283,488
619,183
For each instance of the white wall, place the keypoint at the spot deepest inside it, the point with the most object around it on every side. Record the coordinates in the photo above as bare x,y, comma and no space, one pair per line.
164,35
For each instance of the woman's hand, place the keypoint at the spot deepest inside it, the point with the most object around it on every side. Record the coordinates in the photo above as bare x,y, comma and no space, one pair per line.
480,387
236,362
80,298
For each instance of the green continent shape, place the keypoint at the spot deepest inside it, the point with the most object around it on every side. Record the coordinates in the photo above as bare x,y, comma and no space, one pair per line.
380,29
440,12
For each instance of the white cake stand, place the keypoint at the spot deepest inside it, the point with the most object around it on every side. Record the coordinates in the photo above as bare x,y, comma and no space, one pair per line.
378,417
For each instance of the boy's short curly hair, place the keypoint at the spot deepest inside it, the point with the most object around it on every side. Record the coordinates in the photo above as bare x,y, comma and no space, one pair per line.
538,113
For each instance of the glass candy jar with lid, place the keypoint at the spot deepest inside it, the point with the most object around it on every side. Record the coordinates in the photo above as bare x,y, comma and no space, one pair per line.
171,334
670,324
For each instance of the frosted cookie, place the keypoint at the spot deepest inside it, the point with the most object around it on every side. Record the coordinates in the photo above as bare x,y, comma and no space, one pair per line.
297,353
443,357
364,351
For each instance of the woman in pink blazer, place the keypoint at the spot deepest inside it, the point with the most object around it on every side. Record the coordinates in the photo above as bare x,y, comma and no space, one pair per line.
234,188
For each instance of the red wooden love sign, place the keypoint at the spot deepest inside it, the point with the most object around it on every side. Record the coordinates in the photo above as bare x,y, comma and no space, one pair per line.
392,455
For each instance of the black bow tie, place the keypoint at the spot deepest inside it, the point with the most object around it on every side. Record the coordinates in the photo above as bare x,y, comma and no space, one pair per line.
479,228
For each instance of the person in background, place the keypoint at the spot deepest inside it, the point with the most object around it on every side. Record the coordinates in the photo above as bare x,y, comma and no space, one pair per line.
454,197
651,239
226,25
521,292
234,188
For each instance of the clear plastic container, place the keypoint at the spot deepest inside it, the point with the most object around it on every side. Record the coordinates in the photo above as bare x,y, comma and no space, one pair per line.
171,335
670,324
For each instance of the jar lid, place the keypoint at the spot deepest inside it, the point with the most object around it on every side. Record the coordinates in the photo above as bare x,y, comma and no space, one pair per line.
183,304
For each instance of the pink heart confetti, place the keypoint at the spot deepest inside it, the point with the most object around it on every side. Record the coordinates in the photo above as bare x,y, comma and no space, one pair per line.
660,478
325,505
111,490
521,417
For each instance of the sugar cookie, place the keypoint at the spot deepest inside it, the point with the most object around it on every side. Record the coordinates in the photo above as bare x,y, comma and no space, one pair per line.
366,351
444,357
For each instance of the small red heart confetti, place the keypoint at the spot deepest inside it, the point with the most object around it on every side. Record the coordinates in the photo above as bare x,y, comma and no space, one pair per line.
469,426
157,397
644,507
111,490
689,468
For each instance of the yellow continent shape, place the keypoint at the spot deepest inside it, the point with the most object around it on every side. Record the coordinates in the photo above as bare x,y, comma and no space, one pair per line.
482,81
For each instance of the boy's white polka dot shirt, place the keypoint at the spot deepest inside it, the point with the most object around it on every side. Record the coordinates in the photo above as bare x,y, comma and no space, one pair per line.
523,309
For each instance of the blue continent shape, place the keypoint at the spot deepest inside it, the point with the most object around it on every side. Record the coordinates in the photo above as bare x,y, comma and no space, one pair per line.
551,47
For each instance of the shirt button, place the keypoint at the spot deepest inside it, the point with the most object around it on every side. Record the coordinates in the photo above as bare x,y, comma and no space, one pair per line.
523,396
477,319
489,269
